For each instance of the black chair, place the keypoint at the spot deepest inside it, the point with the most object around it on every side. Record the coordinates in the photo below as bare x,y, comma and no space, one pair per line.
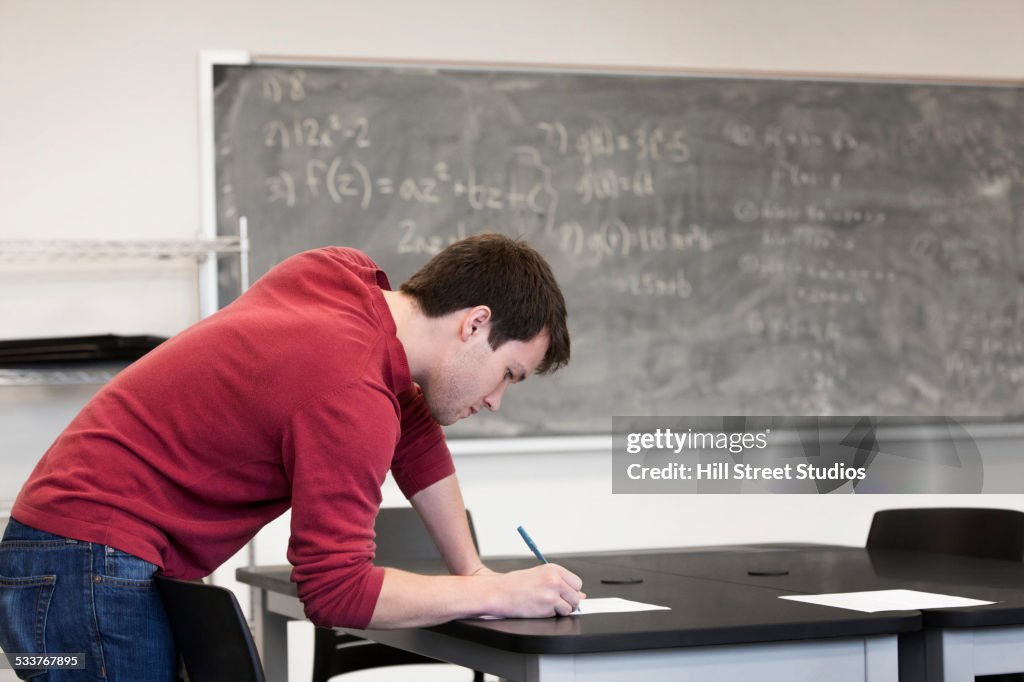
400,536
980,533
210,632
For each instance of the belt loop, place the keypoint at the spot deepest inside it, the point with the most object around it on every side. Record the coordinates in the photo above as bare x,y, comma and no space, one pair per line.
99,556
110,565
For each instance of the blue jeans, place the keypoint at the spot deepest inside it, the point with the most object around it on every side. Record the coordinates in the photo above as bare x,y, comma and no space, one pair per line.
64,596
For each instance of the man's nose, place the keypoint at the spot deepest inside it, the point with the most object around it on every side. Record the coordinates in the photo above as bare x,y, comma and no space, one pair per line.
493,401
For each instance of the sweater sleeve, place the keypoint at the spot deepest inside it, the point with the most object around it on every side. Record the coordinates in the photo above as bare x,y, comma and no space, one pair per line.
337,452
422,457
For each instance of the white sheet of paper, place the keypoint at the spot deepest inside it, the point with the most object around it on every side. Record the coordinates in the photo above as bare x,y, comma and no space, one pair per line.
605,605
887,600
614,605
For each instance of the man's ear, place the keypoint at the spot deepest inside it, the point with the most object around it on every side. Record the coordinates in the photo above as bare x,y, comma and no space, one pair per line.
475,321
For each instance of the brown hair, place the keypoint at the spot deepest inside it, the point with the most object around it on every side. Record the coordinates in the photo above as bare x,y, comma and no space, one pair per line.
508,276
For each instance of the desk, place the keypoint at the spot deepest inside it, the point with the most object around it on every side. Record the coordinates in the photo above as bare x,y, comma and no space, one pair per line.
715,630
955,645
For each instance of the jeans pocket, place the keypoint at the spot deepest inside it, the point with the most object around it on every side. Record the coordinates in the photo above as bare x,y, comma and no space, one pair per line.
24,603
133,627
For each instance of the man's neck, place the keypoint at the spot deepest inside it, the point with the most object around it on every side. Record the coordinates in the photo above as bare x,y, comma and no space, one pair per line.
415,331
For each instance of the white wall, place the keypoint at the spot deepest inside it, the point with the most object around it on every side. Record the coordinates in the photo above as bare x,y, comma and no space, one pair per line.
99,138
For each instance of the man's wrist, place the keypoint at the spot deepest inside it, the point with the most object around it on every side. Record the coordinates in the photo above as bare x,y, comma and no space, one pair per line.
489,593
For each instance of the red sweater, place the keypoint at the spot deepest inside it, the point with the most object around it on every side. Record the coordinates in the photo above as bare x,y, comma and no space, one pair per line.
297,394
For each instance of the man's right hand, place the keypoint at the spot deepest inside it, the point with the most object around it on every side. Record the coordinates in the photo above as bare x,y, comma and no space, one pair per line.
537,592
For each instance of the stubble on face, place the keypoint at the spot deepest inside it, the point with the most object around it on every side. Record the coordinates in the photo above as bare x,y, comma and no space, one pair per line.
450,388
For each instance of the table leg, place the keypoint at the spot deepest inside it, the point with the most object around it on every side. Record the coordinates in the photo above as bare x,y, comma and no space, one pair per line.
271,635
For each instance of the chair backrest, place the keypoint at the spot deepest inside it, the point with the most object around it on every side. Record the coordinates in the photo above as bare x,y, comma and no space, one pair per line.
981,533
210,632
402,535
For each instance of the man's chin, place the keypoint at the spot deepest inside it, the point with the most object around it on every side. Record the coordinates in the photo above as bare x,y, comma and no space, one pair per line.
445,419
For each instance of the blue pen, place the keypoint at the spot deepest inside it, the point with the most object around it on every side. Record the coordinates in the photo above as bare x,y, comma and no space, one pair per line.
529,543
536,552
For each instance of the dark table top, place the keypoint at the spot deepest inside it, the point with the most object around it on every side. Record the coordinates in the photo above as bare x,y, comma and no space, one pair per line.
827,569
704,609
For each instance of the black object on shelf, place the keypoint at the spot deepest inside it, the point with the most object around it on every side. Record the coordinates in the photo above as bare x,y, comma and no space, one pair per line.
20,352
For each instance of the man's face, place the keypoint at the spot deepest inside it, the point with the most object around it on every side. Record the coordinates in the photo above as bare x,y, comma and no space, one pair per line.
474,376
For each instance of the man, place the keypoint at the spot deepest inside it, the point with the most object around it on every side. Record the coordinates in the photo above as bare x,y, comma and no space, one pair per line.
303,393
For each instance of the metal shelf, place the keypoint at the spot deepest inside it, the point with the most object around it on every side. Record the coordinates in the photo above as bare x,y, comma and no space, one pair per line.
55,377
13,251
30,250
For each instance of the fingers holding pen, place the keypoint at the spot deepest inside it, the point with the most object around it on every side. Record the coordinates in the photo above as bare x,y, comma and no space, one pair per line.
569,578
540,592
570,588
559,589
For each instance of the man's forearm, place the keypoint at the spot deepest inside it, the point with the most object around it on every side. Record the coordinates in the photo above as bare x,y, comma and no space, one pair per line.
444,514
412,600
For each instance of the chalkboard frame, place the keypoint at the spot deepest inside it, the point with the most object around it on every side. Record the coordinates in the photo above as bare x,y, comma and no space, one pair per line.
211,61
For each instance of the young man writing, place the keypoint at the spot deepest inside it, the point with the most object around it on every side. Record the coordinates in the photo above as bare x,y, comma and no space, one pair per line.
303,393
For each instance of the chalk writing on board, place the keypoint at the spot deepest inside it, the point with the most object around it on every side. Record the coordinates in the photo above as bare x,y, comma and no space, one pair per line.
726,245
311,132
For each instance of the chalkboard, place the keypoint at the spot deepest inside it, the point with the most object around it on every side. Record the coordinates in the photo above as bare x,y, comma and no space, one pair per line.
736,246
